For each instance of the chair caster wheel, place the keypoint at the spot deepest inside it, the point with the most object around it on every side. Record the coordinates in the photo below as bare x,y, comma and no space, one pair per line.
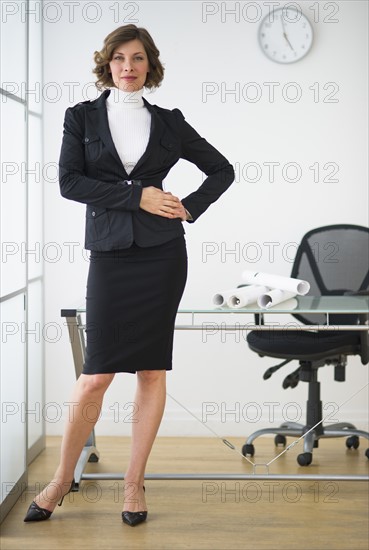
367,453
352,442
248,450
280,440
304,459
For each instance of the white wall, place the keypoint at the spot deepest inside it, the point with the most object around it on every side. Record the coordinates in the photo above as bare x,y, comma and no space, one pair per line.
195,52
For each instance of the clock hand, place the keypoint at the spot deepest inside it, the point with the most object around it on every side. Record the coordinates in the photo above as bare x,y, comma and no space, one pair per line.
289,43
284,32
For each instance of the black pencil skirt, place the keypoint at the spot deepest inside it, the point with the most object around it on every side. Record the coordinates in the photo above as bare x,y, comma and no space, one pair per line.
132,297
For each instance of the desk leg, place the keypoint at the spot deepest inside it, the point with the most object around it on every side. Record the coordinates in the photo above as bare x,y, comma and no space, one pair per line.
75,328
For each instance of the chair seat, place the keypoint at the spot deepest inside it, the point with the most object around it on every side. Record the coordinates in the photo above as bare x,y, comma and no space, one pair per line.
303,345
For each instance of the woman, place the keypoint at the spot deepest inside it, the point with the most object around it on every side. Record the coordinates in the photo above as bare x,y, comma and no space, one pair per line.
116,151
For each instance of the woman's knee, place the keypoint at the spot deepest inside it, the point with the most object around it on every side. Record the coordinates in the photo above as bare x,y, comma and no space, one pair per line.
92,383
151,376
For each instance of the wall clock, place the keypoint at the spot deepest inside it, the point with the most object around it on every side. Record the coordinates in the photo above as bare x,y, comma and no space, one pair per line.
285,35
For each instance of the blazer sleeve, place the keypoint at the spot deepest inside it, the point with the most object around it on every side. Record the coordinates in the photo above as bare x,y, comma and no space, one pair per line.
73,182
219,171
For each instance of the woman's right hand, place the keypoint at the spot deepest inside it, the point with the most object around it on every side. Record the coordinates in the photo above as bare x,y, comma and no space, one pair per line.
160,202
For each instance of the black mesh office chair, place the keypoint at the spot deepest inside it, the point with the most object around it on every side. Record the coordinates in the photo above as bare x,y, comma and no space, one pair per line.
335,261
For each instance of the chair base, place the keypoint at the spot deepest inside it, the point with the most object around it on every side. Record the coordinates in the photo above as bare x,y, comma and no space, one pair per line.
311,439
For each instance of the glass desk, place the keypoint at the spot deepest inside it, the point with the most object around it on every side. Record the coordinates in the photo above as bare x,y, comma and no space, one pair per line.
325,307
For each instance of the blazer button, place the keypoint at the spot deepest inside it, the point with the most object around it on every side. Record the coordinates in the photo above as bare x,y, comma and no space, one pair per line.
93,213
87,139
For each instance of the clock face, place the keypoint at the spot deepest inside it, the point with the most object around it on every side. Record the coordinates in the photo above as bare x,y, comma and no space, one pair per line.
285,35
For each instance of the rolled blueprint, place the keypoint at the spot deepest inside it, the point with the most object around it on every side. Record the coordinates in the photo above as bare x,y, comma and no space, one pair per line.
276,281
221,298
246,295
274,297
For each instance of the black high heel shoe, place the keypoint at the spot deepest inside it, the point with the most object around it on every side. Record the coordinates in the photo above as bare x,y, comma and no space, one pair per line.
36,513
134,518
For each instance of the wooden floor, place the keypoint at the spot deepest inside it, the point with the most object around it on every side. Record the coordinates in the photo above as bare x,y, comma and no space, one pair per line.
201,515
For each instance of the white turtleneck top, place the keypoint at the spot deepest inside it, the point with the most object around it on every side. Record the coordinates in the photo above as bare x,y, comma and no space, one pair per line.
129,123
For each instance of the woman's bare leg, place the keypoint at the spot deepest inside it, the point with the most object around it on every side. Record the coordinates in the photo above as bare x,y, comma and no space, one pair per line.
150,401
87,400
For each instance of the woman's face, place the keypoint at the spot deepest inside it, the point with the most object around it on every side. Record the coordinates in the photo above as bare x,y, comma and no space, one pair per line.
129,66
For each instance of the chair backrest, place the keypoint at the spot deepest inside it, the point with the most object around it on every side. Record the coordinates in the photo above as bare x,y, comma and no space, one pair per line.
335,261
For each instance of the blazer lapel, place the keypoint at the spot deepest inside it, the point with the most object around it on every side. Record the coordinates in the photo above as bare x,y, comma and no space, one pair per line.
156,131
98,116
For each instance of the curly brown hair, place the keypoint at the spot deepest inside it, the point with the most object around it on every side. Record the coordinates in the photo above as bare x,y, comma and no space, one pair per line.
112,41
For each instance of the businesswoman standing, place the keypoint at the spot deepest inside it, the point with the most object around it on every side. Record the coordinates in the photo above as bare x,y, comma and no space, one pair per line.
115,153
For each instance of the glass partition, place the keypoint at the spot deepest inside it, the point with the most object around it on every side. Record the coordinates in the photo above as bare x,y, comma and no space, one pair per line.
12,392
13,195
21,225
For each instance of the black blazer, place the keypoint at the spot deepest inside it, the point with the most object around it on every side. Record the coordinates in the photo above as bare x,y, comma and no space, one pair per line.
91,172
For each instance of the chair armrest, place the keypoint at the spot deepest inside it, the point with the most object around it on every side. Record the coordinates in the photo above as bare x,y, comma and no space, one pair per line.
363,320
364,338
